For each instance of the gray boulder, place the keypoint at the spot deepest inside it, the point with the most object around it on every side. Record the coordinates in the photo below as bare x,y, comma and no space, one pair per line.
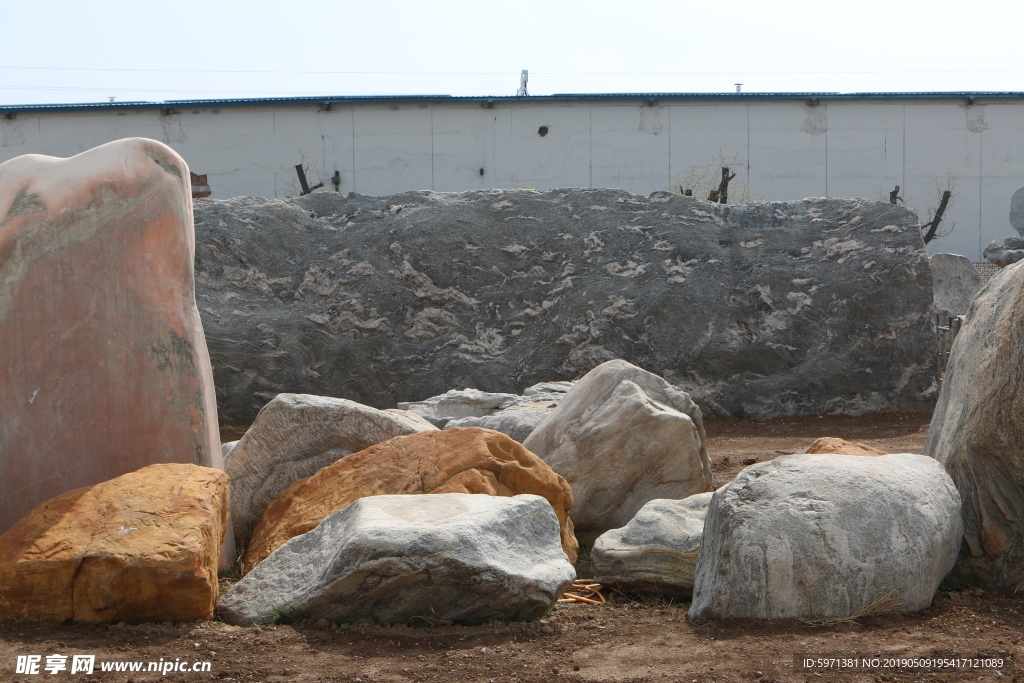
622,437
226,448
656,552
416,560
955,281
294,436
519,416
456,404
826,535
977,432
760,310
1005,251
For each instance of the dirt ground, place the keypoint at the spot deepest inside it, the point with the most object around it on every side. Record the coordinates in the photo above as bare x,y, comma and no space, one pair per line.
625,640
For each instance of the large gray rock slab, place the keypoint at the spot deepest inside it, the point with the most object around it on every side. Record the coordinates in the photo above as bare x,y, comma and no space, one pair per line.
294,436
622,437
955,281
977,432
519,416
827,535
657,551
759,310
417,560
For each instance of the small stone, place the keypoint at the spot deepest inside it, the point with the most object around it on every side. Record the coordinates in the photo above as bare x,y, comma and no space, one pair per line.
749,461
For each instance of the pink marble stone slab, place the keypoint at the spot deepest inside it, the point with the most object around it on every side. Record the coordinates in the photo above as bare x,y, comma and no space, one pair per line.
103,363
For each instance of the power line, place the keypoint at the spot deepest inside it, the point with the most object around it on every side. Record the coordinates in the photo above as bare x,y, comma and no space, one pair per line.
506,73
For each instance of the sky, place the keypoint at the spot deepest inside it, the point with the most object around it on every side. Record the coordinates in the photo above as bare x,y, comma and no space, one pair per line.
70,51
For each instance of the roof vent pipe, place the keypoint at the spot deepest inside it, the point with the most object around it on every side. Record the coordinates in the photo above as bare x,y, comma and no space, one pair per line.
739,87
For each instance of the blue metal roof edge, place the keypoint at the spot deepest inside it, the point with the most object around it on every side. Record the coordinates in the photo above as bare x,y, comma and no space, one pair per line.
327,100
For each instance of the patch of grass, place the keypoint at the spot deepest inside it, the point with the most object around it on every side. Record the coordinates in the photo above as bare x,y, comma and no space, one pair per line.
884,604
285,613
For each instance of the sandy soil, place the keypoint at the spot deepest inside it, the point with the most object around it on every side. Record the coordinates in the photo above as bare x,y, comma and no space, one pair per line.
625,640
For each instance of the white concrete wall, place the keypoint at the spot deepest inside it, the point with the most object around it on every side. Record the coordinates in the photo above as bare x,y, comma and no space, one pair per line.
780,149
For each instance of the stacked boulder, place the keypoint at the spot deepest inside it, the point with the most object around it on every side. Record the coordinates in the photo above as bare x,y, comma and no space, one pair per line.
470,460
295,435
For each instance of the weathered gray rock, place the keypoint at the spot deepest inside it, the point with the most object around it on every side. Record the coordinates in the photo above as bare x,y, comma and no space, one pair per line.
456,404
814,536
622,437
955,281
226,448
417,560
293,437
519,416
656,552
977,432
1005,251
774,309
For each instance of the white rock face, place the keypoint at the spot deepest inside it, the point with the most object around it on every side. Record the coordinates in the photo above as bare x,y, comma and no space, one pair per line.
293,437
414,560
826,536
622,437
955,281
657,551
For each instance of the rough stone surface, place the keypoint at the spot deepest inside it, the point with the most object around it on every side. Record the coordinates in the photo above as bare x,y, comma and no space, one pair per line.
226,448
817,536
142,547
828,444
955,281
456,404
621,437
519,416
103,362
469,460
977,432
413,560
656,552
1005,251
761,310
293,437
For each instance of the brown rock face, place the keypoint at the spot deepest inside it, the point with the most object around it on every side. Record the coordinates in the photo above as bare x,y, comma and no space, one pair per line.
103,363
828,444
142,547
470,460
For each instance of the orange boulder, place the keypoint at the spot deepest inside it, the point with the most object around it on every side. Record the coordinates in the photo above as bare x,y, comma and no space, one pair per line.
142,547
828,444
469,460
